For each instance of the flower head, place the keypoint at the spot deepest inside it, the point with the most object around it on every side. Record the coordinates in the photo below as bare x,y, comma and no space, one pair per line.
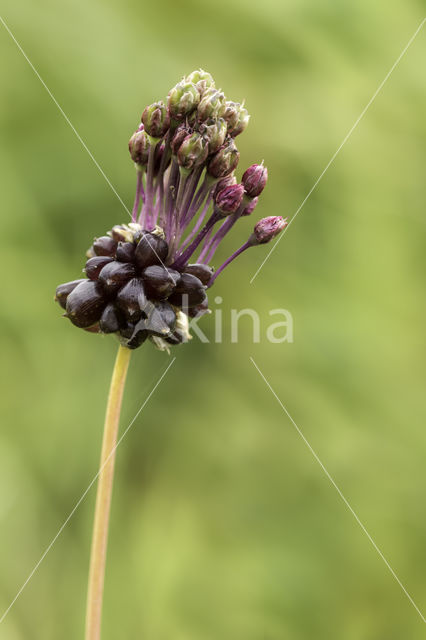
145,279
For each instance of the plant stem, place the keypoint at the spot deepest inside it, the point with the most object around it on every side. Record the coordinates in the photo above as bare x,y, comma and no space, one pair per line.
103,496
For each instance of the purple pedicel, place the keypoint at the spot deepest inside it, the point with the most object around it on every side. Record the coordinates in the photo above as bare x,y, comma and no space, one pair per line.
239,251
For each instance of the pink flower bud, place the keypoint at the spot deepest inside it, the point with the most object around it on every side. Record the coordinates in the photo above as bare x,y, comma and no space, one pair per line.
267,228
229,199
254,179
248,210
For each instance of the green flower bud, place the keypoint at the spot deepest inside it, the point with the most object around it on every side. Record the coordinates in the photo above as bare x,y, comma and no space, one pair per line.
183,99
139,148
193,151
211,105
224,161
231,114
243,120
156,119
202,80
214,132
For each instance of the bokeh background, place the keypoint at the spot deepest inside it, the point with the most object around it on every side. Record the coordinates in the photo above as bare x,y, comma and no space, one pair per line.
224,526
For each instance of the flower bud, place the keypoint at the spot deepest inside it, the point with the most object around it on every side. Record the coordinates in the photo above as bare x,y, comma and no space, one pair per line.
250,207
214,131
181,133
183,99
267,228
254,180
192,152
229,199
231,114
225,182
156,119
241,125
202,80
139,148
224,161
211,105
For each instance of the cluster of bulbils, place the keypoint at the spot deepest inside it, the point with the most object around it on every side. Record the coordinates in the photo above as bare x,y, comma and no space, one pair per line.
142,279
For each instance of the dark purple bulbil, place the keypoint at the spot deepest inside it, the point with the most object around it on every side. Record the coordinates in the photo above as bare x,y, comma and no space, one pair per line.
145,279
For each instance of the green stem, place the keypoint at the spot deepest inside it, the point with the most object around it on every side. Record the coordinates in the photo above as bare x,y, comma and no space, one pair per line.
103,496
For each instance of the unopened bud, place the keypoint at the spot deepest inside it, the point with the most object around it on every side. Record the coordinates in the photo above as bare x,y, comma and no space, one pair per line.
229,199
202,79
254,180
183,99
181,133
225,182
214,131
242,122
156,119
224,161
193,151
251,206
211,105
267,228
139,147
231,114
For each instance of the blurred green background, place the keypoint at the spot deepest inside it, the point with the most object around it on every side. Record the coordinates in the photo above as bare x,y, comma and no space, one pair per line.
223,524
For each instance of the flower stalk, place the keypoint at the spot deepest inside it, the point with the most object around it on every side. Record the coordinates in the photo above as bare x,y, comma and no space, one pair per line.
103,496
